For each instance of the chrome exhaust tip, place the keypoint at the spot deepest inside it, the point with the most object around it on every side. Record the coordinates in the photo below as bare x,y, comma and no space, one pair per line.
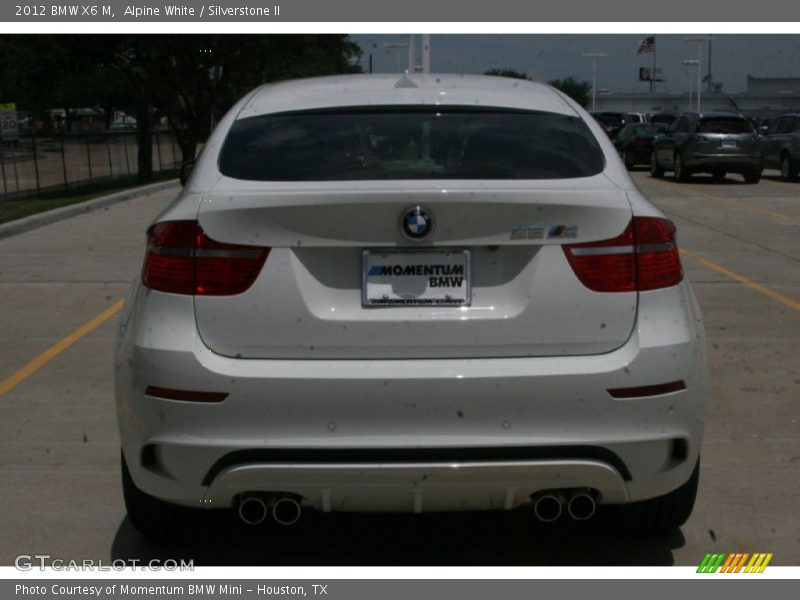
581,506
548,507
286,511
252,510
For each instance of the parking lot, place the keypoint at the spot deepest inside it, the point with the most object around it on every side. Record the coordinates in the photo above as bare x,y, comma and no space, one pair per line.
60,291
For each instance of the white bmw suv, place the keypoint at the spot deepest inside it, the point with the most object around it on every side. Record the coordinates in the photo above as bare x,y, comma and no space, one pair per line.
418,293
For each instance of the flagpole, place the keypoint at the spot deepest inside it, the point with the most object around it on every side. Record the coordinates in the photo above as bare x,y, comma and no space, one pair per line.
653,74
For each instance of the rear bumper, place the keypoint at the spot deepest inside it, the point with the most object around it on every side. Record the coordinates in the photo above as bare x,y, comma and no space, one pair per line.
728,162
409,435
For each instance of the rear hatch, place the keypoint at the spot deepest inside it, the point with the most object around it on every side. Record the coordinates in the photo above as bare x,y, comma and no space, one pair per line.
726,136
506,226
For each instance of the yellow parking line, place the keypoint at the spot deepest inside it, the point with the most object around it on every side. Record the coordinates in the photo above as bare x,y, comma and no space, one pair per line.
691,191
766,211
743,280
57,348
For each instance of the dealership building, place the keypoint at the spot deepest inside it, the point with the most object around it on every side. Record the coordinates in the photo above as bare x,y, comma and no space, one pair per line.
764,97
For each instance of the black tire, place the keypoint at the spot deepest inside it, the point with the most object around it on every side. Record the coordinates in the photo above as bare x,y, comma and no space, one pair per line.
664,513
718,176
753,176
679,168
627,158
788,172
655,169
158,520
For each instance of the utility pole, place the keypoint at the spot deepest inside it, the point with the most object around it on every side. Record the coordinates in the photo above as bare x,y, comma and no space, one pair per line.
594,56
426,53
700,39
693,63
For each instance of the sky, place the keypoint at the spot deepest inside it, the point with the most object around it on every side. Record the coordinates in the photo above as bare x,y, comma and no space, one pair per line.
547,57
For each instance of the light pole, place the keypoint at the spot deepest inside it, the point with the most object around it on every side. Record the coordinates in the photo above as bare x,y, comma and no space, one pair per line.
594,56
397,47
700,39
426,53
693,63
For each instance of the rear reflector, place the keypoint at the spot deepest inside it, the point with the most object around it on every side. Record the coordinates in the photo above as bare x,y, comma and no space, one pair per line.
648,390
184,395
643,257
182,259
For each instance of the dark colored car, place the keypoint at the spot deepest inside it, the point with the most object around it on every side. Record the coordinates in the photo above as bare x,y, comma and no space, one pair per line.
780,146
662,118
635,143
612,122
715,143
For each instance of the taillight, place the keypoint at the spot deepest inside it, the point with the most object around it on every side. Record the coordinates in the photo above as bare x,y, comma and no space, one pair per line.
643,257
182,259
640,143
658,264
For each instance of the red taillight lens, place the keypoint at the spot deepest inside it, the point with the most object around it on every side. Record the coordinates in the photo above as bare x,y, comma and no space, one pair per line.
639,143
182,259
169,263
606,266
658,264
643,257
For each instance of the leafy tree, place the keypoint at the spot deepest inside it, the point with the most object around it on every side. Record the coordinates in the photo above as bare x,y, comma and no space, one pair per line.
574,88
507,73
190,79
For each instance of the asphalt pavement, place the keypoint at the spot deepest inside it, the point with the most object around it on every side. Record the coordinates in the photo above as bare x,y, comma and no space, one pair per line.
60,288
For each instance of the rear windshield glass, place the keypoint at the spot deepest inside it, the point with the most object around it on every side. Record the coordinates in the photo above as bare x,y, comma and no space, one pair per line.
609,118
646,129
425,143
724,125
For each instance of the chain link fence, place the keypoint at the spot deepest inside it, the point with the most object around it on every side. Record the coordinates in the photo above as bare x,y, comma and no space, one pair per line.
35,164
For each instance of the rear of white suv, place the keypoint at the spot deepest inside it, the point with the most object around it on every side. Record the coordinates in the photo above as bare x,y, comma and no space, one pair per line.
427,294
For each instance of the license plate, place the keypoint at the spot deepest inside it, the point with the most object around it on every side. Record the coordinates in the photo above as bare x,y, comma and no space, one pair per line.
415,277
729,145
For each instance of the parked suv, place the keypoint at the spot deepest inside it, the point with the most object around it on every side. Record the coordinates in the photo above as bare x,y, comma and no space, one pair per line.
635,143
780,146
715,143
431,293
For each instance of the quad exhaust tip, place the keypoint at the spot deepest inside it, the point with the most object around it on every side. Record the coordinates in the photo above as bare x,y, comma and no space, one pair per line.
253,509
581,506
549,505
286,511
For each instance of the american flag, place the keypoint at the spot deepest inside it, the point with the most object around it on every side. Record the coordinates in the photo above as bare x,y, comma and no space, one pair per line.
648,44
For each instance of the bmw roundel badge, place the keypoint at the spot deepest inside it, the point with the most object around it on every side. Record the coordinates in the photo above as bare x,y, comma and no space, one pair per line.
416,223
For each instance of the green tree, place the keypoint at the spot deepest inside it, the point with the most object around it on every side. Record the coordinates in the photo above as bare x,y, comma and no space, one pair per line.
507,73
574,88
189,79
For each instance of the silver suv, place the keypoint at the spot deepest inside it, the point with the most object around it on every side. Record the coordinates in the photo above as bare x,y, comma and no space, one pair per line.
716,143
780,146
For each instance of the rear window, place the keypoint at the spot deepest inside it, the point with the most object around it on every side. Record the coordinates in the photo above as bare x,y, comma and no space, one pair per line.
425,143
724,125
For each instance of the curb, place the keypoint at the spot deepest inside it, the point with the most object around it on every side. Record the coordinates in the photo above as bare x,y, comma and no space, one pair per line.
65,212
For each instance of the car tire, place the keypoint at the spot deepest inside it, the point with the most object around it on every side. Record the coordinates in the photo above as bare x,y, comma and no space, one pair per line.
664,513
788,172
752,176
158,520
655,169
628,159
679,168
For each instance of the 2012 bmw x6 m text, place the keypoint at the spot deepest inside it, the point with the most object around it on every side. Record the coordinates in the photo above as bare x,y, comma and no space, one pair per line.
425,293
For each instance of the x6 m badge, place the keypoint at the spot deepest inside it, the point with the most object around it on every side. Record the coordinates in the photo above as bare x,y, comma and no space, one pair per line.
537,232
